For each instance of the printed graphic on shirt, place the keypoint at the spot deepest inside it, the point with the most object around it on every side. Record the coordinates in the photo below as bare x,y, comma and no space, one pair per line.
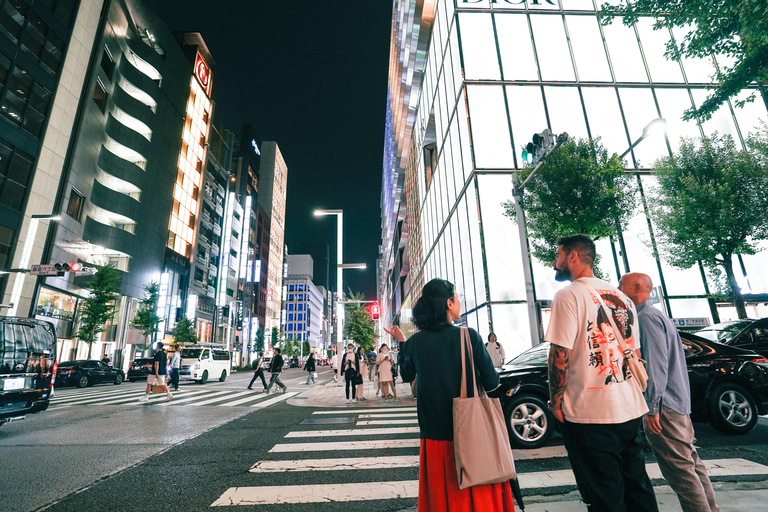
605,355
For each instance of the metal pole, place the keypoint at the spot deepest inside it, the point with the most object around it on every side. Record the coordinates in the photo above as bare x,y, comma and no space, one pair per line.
339,285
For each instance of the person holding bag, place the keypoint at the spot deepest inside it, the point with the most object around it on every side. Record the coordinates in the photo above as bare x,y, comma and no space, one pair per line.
434,356
384,370
310,367
350,368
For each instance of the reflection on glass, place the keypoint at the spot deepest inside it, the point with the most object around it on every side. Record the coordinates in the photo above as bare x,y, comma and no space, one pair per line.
689,308
458,78
490,131
526,110
639,110
673,102
516,48
565,112
721,121
554,56
588,49
637,240
654,45
466,152
478,46
474,237
510,324
604,117
626,58
466,255
482,322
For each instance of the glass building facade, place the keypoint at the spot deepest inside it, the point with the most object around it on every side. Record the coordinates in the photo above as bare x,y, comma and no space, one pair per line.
470,82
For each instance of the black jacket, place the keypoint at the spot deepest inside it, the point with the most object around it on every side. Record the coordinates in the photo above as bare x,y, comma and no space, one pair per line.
434,359
344,362
310,366
276,365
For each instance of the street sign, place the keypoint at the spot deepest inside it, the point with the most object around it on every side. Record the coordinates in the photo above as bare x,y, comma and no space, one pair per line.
690,322
44,270
655,295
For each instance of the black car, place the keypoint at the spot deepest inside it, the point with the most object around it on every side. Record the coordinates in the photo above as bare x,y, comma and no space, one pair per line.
729,389
140,369
87,373
749,334
27,366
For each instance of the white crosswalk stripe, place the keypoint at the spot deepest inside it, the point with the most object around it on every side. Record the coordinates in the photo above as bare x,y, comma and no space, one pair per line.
366,411
388,422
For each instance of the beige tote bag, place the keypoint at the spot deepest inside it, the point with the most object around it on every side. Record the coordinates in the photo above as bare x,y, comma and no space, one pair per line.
480,438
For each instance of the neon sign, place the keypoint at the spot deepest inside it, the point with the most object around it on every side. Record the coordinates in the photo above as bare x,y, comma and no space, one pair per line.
203,73
255,147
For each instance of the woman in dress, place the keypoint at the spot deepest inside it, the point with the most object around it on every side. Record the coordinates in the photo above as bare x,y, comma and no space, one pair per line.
384,366
361,387
433,356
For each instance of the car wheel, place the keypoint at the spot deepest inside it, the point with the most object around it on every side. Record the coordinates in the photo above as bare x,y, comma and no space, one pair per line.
732,409
223,376
83,381
204,378
529,423
119,379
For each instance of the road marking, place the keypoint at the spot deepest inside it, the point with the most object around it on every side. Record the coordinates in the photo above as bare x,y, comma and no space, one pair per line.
251,398
74,394
91,398
366,411
353,432
352,445
289,466
404,415
219,399
185,399
271,401
325,493
387,422
156,397
131,395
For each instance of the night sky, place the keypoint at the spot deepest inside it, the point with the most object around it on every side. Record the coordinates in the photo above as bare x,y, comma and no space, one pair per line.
312,76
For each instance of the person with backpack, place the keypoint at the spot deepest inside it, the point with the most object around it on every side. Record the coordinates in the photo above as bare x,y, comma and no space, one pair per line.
496,351
258,371
350,368
310,367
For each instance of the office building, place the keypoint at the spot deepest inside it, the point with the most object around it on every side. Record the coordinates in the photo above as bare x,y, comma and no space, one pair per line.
304,303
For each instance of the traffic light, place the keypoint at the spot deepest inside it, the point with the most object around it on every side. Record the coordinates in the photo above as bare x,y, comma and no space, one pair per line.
534,150
375,311
61,268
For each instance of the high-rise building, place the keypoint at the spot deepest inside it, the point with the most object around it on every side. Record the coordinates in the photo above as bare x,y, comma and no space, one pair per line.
470,82
304,303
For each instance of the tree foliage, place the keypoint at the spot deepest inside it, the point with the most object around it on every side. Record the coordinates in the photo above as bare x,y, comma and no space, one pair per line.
359,326
184,332
735,29
711,203
99,307
581,189
258,344
146,319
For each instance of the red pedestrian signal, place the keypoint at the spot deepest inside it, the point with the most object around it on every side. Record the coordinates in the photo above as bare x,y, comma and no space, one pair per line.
375,311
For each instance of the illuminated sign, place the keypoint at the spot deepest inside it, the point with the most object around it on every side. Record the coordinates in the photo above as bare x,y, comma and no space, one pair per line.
255,147
269,295
203,73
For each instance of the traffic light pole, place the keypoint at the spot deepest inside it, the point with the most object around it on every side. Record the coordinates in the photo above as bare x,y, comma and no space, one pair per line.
517,192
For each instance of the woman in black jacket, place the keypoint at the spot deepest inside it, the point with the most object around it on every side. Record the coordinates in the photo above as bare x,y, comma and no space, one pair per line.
433,357
310,367
350,367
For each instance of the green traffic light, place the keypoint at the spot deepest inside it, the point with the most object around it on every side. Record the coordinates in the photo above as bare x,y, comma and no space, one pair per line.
527,157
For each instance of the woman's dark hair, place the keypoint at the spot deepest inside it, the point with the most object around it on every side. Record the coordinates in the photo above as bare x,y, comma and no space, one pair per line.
491,334
431,310
383,345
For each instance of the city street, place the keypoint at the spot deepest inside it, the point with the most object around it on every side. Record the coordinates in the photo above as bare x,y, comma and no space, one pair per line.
222,446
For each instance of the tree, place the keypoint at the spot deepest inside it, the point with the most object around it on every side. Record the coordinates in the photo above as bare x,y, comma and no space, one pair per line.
711,204
258,344
581,189
735,29
99,307
275,337
184,332
359,326
146,318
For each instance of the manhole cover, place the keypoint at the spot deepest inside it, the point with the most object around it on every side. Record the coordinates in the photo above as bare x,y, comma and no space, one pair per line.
329,421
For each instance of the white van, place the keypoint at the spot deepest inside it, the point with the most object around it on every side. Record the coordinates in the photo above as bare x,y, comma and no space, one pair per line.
205,360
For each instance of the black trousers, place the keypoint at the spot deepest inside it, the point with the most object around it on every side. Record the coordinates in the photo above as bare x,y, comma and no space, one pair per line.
175,378
350,378
609,466
258,373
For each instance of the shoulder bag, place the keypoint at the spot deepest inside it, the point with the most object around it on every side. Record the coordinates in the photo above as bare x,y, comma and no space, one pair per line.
481,446
635,364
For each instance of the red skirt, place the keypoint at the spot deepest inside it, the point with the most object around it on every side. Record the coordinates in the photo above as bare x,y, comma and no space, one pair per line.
439,486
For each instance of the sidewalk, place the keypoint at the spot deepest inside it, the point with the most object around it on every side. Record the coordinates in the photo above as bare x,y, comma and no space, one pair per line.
327,393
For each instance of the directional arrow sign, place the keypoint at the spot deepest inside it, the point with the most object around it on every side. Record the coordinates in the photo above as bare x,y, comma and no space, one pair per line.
43,270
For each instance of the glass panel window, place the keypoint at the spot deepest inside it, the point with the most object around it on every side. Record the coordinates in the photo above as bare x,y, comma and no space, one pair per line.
697,70
33,40
6,246
639,110
54,50
39,99
749,116
565,112
490,131
12,16
516,48
626,59
100,95
673,102
107,63
64,10
526,110
75,206
478,46
721,121
5,70
554,56
512,321
604,117
574,5
588,49
654,45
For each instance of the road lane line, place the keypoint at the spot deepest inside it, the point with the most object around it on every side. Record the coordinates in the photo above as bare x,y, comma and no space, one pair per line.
185,399
388,422
366,411
253,397
272,401
353,432
288,466
325,493
397,415
99,396
219,399
380,444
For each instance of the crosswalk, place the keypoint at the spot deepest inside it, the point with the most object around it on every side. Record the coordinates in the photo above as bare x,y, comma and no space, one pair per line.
190,397
380,441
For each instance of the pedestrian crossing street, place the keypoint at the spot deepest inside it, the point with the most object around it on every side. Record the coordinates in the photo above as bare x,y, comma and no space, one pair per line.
186,396
389,440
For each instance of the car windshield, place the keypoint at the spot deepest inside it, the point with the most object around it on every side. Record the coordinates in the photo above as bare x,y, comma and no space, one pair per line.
191,353
724,332
533,356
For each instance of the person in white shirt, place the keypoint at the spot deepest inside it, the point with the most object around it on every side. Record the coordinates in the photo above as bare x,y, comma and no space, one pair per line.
496,351
175,367
594,396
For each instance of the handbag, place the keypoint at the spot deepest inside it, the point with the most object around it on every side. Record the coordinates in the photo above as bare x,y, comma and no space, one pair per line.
636,365
358,380
481,445
314,375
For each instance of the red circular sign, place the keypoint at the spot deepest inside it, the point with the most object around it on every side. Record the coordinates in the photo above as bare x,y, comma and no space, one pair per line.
201,70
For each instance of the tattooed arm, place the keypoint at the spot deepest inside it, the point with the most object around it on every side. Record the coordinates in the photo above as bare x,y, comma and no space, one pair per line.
559,361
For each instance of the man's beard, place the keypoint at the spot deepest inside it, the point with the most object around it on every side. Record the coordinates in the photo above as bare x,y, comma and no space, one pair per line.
562,274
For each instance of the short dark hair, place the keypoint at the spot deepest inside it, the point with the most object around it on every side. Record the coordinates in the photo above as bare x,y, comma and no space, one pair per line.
159,345
431,310
582,244
276,349
491,334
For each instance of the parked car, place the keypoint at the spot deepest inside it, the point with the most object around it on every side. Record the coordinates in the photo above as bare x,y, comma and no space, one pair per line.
749,334
294,362
27,366
729,389
87,373
140,369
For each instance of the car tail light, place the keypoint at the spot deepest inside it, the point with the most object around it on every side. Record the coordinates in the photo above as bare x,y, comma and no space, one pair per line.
762,361
53,372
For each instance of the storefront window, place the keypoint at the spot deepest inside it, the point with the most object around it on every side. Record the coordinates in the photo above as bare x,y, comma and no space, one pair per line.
588,49
639,110
625,54
673,102
490,131
565,112
58,308
604,118
526,110
654,45
516,48
479,47
554,56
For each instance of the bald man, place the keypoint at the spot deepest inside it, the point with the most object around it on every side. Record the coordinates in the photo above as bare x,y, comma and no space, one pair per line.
668,424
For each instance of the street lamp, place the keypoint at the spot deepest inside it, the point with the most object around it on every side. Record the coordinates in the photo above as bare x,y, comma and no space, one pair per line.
26,253
654,128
